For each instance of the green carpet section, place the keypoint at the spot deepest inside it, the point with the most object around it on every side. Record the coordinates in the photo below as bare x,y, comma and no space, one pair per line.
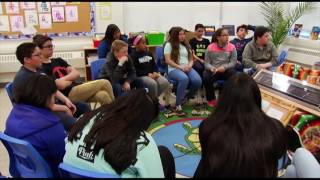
161,119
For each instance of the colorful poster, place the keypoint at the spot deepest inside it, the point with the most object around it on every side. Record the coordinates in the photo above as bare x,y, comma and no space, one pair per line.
44,7
58,14
31,17
12,7
45,21
58,3
105,10
17,23
4,23
72,14
27,5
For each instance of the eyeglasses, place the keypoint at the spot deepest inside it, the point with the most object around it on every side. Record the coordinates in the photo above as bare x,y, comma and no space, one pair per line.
49,46
36,55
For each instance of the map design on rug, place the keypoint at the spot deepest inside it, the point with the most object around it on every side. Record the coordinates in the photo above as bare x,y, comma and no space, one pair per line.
192,139
181,136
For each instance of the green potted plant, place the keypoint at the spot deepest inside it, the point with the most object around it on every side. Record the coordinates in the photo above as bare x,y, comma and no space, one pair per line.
279,21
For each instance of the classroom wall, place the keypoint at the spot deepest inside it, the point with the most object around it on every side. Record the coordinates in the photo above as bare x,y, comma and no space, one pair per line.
161,16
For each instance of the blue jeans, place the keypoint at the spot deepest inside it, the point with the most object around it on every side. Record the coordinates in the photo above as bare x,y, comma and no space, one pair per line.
117,87
184,80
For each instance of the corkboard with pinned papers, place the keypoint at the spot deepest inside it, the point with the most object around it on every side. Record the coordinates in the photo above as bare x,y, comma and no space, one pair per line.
44,17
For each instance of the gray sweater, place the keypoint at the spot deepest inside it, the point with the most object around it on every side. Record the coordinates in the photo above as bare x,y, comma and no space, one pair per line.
253,55
216,56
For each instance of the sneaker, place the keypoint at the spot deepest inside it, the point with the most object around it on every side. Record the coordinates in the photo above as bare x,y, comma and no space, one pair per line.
169,113
212,103
179,112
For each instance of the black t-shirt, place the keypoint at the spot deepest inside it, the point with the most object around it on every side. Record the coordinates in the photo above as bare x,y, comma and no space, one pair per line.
22,76
58,69
199,47
144,63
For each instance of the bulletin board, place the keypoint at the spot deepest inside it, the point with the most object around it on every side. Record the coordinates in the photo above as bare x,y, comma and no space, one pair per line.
74,17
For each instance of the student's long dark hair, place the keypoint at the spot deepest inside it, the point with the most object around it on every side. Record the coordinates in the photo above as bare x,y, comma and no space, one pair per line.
214,38
108,36
117,126
175,42
238,139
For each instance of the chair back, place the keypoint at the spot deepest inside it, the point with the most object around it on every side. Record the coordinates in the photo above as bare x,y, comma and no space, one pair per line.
9,89
162,66
282,57
95,67
24,159
68,171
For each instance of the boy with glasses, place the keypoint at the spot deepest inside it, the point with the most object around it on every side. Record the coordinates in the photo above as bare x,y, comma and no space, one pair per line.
66,77
29,56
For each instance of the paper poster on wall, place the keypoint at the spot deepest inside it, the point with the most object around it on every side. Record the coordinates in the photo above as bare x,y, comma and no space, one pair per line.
72,14
58,3
44,7
12,7
58,14
209,30
17,23
31,17
4,23
45,21
74,3
27,5
1,9
105,10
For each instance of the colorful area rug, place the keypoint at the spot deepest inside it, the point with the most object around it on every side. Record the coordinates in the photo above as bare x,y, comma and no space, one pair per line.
180,135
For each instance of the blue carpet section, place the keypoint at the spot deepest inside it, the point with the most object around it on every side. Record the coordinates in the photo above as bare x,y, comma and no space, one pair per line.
186,160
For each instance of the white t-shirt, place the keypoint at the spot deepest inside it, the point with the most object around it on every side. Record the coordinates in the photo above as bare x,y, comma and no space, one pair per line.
183,58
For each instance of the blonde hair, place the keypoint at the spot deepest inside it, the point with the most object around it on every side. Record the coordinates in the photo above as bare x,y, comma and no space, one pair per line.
117,45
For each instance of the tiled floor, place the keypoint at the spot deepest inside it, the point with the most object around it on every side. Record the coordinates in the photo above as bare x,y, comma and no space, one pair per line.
5,108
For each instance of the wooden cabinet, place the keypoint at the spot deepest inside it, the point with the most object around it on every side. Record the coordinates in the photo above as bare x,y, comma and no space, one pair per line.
90,54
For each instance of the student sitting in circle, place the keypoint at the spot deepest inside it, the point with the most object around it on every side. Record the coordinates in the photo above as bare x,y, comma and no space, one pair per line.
113,139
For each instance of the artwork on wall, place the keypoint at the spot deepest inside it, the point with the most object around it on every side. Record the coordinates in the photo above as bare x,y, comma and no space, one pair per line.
58,3
104,10
230,29
27,5
315,33
12,7
31,17
44,7
209,30
58,14
297,30
72,14
17,23
45,21
4,23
